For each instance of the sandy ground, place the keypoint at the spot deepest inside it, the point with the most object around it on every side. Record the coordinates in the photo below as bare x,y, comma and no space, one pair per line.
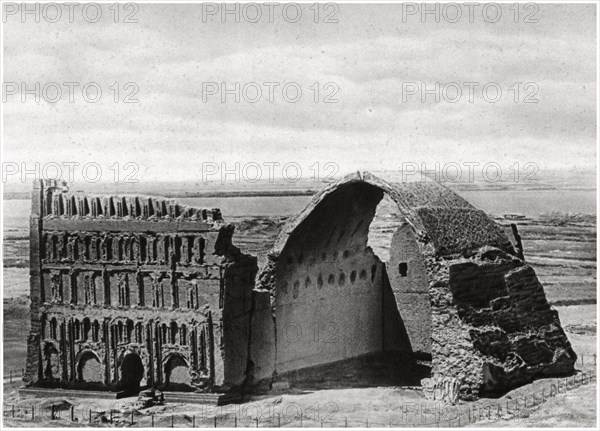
573,409
372,407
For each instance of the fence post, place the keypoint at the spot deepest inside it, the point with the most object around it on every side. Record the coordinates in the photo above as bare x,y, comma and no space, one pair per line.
111,416
256,421
72,413
193,421
278,420
300,419
32,412
152,420
13,410
235,420
132,417
90,415
321,423
215,421
173,421
10,376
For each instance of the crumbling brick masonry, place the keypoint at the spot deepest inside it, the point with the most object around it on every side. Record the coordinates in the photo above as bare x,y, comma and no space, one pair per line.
129,292
453,292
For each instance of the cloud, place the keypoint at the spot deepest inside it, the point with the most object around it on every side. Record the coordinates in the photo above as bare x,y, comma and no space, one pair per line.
369,56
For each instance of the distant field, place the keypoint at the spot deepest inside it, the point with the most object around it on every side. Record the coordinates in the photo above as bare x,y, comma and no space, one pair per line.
564,257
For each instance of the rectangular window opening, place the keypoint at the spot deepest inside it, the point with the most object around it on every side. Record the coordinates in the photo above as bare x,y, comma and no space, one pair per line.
403,269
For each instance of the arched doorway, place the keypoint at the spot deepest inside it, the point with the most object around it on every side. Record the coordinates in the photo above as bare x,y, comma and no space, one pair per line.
89,368
132,372
177,374
51,361
337,310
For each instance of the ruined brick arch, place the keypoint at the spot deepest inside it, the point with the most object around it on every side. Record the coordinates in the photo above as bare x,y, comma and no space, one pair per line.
129,327
131,370
328,284
173,332
50,357
322,273
139,332
89,367
95,331
358,179
176,370
453,279
86,328
183,335
193,291
76,330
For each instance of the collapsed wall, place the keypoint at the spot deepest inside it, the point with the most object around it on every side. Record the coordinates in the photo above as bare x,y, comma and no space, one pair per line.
130,291
492,327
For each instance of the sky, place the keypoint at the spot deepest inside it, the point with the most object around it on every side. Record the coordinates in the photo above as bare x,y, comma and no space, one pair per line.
371,64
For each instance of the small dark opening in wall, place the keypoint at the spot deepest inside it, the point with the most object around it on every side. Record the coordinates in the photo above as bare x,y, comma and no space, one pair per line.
403,269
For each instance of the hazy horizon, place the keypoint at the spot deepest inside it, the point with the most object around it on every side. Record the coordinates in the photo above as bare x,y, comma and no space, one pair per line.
565,179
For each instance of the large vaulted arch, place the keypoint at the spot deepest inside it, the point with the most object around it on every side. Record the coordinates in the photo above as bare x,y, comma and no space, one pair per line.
452,279
332,297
